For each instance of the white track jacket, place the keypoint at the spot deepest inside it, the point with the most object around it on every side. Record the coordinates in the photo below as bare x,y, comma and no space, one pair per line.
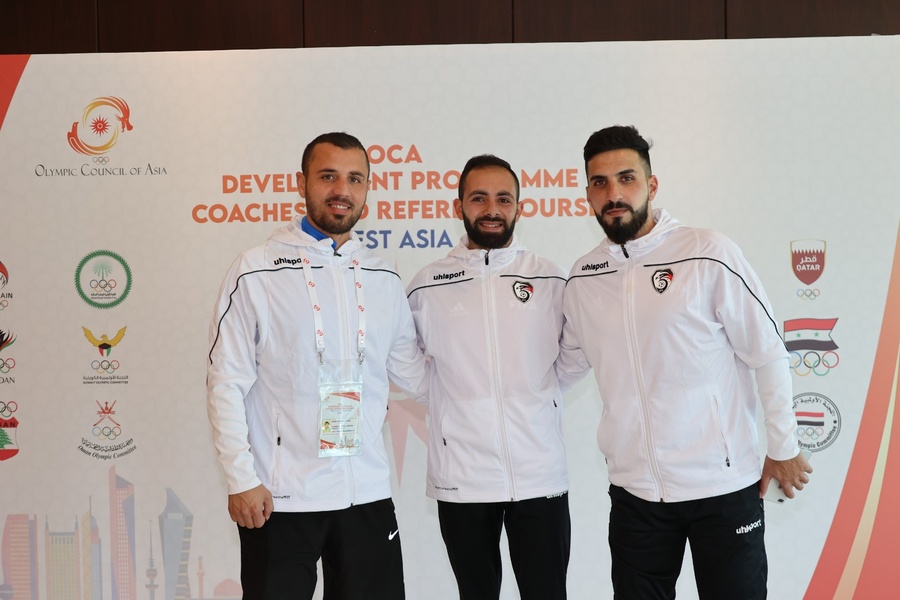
490,324
673,326
263,398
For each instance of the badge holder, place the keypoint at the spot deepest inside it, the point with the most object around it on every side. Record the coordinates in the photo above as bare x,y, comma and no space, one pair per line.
340,408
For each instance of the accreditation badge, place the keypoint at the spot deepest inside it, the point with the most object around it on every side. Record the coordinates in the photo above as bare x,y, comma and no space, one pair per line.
340,409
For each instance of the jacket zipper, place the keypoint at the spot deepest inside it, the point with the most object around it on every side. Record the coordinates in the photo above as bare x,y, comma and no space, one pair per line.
639,377
492,335
718,414
338,277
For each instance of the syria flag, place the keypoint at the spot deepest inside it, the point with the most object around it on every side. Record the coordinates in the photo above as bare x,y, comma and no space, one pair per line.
809,334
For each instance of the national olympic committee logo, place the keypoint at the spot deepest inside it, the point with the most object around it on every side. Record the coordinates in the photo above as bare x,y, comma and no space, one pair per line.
5,297
101,122
807,263
103,279
106,427
811,347
818,421
8,426
7,339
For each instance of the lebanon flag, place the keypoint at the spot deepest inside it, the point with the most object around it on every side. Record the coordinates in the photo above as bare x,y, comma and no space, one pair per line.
809,334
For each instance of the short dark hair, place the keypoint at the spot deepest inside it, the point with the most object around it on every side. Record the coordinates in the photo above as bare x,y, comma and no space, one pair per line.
485,161
618,137
342,140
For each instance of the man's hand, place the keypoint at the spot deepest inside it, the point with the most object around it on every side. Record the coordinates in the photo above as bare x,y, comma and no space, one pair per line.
789,473
252,508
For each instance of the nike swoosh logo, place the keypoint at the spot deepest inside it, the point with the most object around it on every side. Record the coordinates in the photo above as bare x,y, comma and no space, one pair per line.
393,534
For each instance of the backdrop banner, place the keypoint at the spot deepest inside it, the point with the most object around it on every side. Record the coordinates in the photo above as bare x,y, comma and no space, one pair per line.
132,181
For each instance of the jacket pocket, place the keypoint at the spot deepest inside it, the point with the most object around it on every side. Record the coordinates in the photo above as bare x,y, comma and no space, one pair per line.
717,420
276,461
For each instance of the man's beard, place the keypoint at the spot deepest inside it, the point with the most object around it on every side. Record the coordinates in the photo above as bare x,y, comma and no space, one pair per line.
619,231
497,239
326,222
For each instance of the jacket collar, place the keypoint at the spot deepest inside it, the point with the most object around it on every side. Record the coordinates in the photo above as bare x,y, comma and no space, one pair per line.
665,224
497,256
293,234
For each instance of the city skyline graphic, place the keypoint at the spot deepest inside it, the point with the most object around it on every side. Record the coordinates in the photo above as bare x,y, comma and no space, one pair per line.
70,564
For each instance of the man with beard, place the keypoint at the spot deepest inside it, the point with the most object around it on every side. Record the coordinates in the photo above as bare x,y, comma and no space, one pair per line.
676,324
489,317
297,402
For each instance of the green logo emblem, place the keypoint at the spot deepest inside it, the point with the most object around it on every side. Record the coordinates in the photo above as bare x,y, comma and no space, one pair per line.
103,279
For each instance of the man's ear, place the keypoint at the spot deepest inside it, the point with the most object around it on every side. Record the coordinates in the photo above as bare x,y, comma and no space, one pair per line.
301,184
653,184
457,208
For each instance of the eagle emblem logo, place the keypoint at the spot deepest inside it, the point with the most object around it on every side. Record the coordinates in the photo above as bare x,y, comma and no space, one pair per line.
523,290
103,344
662,279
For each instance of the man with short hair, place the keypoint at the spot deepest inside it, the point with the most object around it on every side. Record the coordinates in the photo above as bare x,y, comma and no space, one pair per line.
488,318
676,325
306,332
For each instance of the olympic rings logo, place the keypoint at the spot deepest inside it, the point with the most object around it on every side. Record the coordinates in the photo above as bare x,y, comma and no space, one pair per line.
107,433
105,366
808,294
808,432
6,365
103,285
4,303
100,160
813,362
8,408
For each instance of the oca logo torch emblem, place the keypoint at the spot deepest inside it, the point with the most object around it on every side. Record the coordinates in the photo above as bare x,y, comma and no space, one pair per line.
102,120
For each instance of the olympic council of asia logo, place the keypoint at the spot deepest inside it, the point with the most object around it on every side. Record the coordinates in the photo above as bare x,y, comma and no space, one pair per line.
818,421
103,279
101,119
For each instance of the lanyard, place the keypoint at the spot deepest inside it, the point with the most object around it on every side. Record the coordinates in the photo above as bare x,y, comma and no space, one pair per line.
317,309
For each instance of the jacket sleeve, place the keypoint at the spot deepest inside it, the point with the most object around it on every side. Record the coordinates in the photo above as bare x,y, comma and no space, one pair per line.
406,363
747,316
773,381
571,364
231,372
743,308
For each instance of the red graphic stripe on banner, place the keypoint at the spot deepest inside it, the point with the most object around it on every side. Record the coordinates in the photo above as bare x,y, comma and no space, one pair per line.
860,553
11,68
797,324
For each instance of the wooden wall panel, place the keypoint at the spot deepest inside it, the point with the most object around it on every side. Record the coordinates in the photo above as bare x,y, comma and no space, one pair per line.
158,25
48,26
810,18
610,20
392,22
64,26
